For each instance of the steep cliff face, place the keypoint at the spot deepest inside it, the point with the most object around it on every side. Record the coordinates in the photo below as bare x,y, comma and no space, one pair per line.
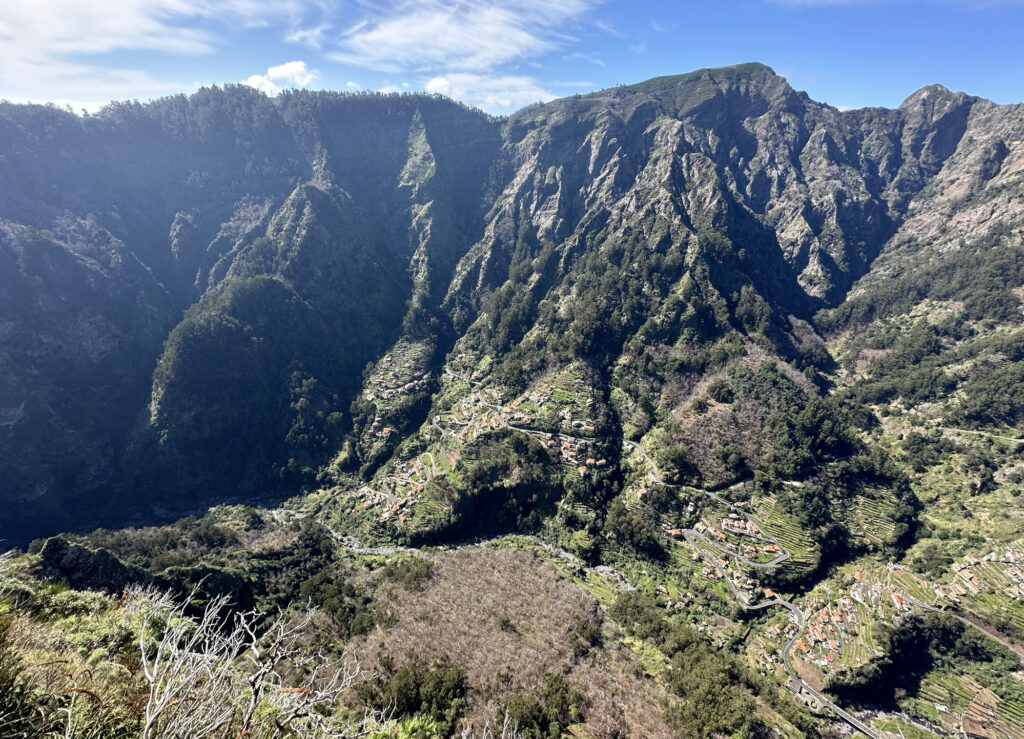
192,281
191,289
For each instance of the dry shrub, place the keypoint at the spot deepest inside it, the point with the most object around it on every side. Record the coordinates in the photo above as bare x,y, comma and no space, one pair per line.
511,620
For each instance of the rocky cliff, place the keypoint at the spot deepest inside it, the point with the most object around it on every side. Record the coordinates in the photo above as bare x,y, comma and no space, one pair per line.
204,298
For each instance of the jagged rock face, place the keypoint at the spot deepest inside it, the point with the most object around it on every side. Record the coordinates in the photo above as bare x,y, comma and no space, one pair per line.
191,289
83,568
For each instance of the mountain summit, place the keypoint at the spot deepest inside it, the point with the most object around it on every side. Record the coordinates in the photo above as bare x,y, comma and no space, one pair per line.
687,408
192,288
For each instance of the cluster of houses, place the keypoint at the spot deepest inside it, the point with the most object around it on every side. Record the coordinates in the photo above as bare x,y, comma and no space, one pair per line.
468,367
879,598
967,581
394,377
397,373
971,581
394,506
585,426
865,593
571,450
769,658
464,419
567,415
826,630
1016,590
747,588
378,429
537,397
738,525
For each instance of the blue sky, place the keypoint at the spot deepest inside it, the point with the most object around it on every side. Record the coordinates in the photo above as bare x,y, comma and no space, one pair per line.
502,54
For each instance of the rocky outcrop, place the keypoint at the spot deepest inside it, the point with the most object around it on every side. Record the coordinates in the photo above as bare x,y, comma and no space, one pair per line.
82,568
191,289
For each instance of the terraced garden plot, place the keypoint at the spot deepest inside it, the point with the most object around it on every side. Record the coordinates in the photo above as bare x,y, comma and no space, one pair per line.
1012,712
428,515
907,582
984,709
600,588
993,574
653,661
853,654
946,690
873,517
582,539
790,535
996,604
859,645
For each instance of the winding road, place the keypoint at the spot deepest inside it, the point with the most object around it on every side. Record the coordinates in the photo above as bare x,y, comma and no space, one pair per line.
695,538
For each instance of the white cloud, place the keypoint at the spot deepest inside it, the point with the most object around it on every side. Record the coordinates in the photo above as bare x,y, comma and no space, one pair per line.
352,85
277,78
495,94
54,49
311,37
591,57
467,36
69,50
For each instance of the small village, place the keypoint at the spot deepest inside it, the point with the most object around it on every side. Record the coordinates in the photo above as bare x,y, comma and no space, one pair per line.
401,372
825,631
556,414
995,571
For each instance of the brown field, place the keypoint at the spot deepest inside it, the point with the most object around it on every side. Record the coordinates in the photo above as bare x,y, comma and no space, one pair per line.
459,615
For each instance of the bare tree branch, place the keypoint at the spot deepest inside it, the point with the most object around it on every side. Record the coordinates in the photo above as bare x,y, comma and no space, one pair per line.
238,674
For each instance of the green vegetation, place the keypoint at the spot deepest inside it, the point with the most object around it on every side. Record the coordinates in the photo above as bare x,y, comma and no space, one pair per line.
644,349
434,692
546,716
921,645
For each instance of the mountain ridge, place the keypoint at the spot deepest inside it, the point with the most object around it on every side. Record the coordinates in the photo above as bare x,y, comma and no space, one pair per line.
683,407
306,193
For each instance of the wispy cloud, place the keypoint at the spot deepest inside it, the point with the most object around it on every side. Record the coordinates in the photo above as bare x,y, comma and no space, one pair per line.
608,28
282,76
591,57
54,49
313,37
67,49
464,49
975,4
490,93
468,36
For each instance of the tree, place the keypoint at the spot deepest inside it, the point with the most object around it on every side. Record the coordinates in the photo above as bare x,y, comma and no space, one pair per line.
198,689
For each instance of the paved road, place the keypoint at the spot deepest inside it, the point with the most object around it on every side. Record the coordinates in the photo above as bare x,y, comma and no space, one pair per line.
693,537
656,475
1015,648
798,617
